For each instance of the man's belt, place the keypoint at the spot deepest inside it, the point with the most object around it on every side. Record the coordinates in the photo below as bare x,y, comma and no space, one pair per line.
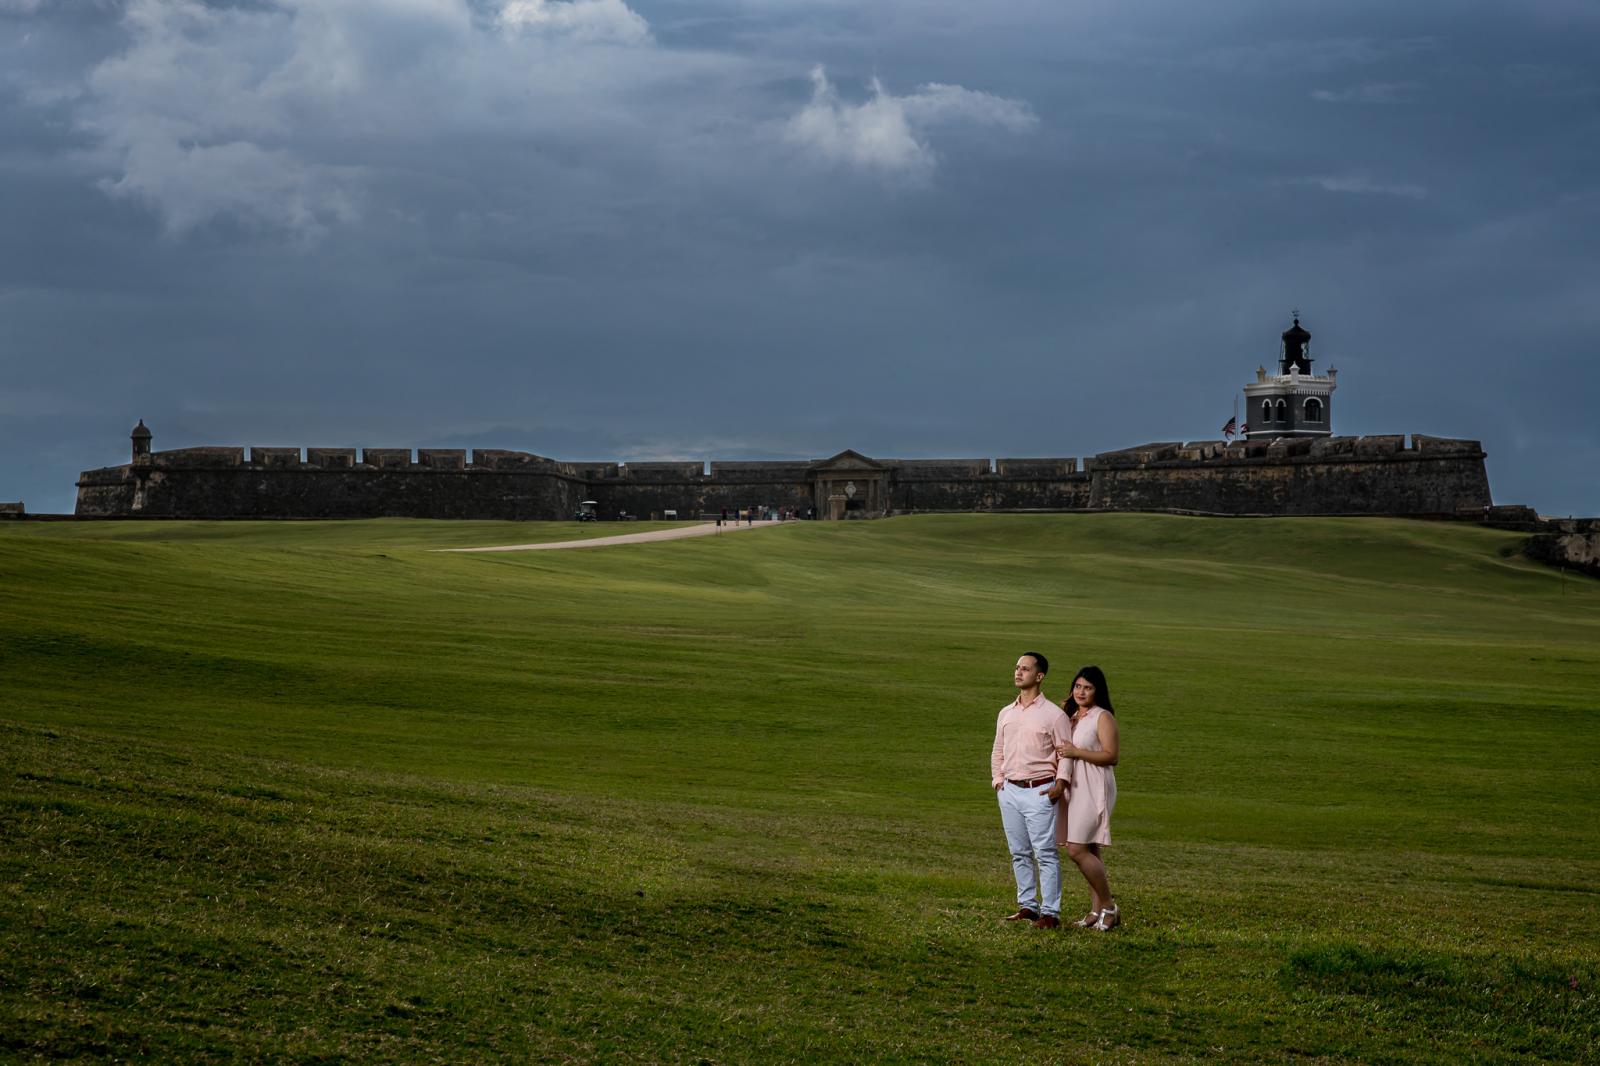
1035,783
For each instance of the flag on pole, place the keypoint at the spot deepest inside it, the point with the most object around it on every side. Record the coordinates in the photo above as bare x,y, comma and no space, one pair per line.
1231,428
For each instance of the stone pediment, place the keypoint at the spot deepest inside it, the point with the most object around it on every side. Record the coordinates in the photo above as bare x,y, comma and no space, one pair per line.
849,459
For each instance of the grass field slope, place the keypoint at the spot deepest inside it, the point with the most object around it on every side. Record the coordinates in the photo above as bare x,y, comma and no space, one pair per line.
315,792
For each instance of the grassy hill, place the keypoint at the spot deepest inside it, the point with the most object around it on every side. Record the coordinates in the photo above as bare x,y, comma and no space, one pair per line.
313,791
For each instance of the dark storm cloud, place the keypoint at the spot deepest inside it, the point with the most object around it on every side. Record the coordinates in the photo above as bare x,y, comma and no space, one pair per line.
697,230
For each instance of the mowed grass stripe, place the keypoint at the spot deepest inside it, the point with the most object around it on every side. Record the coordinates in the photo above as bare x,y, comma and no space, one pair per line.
305,790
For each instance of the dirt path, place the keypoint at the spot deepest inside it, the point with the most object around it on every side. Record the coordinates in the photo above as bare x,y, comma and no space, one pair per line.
704,529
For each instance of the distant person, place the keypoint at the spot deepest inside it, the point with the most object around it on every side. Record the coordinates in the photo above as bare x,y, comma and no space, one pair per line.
1086,761
1023,769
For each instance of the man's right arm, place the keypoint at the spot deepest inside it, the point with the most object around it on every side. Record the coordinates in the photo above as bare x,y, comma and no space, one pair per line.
1060,730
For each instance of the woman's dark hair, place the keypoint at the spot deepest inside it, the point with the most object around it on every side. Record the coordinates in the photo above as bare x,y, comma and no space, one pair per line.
1102,691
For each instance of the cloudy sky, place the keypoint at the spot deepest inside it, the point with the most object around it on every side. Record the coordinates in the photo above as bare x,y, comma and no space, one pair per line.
772,228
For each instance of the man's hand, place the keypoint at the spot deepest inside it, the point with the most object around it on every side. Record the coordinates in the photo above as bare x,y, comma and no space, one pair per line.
1055,791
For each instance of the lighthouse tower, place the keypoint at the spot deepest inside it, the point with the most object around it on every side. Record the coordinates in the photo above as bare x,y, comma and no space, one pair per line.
1294,402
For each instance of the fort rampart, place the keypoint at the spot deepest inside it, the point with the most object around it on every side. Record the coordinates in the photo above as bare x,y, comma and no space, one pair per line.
1385,475
1333,475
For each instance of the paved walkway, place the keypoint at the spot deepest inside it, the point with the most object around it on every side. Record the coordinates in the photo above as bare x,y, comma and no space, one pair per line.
702,530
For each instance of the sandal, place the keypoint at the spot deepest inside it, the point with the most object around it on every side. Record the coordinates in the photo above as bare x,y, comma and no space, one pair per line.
1088,921
1110,918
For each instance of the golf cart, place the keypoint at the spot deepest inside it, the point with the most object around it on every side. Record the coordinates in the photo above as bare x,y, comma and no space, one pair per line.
586,511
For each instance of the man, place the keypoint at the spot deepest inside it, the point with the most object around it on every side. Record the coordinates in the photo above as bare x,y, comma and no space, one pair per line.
1023,768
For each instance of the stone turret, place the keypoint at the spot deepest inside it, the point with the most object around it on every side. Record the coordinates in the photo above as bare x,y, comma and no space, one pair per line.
141,444
1294,402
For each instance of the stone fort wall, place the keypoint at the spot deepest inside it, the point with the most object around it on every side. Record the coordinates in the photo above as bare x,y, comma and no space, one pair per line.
1304,476
332,483
1386,475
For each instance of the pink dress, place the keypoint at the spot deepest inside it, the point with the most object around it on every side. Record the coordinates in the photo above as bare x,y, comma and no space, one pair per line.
1086,816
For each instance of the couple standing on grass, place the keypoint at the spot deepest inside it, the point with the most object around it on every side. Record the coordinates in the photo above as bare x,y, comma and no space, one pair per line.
1054,779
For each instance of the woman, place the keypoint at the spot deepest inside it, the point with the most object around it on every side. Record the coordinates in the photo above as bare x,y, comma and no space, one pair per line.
1083,823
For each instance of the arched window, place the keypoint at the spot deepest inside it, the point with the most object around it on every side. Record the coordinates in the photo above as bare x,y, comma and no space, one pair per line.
1283,410
1313,410
1266,412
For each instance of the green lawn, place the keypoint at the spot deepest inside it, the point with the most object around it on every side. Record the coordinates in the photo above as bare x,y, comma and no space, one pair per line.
314,792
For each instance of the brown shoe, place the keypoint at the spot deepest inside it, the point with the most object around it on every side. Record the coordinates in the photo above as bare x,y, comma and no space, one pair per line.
1049,921
1023,915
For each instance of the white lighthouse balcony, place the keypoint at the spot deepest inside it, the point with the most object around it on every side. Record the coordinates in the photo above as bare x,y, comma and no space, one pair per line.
1293,383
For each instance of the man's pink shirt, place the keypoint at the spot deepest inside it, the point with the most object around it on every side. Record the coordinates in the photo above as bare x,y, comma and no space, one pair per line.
1025,739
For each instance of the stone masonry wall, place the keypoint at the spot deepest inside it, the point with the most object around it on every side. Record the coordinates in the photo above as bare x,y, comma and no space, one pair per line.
654,488
1340,475
971,485
1571,544
275,483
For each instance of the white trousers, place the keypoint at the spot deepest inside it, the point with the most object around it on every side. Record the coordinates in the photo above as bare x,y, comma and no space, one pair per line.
1029,819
